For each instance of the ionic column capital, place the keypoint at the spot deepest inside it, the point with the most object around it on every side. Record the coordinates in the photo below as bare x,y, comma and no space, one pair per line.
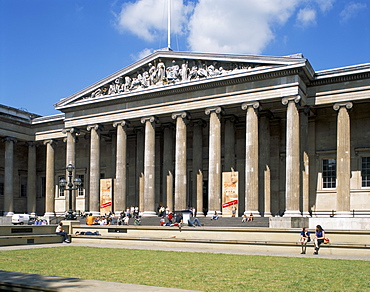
32,144
152,119
254,104
96,127
71,130
216,110
10,139
295,99
183,115
338,105
123,123
51,142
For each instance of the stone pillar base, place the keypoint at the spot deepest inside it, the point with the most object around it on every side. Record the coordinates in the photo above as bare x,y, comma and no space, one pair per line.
292,213
288,222
306,214
267,214
49,214
200,214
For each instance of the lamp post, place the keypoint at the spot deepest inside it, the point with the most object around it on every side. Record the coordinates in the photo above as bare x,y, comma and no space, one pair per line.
76,185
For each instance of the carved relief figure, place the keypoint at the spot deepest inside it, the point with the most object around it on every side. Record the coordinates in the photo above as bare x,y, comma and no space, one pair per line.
193,74
152,74
96,93
184,71
172,72
161,71
127,84
145,81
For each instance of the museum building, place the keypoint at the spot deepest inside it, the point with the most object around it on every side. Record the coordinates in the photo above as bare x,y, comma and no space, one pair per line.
261,134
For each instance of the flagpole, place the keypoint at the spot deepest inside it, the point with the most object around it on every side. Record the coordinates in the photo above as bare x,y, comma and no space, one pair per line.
169,25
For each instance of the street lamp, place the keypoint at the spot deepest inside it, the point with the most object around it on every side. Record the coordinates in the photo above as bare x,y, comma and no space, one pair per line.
76,185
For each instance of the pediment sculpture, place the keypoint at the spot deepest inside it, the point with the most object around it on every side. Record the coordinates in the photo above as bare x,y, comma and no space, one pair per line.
163,72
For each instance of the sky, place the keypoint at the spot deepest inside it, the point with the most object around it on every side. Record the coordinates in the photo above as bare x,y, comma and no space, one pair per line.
51,49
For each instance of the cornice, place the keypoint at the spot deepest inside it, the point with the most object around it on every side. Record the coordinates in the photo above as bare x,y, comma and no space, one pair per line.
340,79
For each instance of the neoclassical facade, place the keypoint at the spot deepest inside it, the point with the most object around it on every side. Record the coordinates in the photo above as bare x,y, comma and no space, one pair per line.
167,127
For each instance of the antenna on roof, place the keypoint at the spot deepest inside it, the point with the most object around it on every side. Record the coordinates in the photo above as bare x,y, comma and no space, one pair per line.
169,25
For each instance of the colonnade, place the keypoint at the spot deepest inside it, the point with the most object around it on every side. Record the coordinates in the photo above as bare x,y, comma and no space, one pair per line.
256,157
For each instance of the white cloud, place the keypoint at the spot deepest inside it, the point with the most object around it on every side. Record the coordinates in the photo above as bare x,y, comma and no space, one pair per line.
148,18
325,5
351,10
224,26
237,26
306,17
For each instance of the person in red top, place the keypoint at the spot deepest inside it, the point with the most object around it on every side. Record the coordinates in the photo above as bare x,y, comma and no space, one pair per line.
169,217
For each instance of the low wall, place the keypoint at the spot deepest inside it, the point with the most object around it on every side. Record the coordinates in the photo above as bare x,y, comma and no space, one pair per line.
333,223
340,223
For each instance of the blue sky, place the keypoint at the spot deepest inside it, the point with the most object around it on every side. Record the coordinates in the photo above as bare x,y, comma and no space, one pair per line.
50,49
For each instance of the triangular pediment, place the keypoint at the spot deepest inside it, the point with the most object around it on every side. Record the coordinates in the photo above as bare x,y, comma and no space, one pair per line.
163,69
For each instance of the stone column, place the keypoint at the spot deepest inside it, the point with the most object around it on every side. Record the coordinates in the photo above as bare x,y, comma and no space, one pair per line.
169,184
264,162
149,166
8,176
200,193
305,162
49,193
168,166
214,169
141,192
251,158
94,202
31,178
71,159
139,170
197,202
180,161
121,168
343,159
229,143
292,176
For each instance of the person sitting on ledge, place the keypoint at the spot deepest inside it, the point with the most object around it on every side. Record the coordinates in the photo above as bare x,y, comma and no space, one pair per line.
251,217
215,216
60,231
194,222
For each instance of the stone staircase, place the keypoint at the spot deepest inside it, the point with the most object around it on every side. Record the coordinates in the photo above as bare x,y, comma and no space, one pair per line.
207,222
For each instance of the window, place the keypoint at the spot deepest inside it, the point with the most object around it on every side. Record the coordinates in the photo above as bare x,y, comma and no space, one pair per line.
365,171
61,192
23,192
81,190
329,173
